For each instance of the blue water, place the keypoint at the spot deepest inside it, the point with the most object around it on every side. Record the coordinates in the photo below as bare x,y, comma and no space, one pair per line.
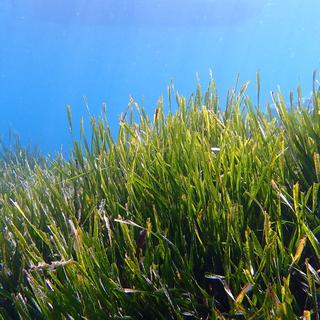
56,52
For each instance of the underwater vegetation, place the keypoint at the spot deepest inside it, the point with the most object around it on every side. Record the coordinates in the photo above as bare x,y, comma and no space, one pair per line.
208,212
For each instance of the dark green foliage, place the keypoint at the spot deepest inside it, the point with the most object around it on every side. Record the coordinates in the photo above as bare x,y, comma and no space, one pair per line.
200,214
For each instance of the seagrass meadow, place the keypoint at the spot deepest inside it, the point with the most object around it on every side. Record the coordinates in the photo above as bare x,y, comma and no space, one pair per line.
208,212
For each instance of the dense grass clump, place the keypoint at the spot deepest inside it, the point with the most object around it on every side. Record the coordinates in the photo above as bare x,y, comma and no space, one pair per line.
208,213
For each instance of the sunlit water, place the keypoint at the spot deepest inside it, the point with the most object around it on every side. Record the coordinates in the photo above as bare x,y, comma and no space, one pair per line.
55,52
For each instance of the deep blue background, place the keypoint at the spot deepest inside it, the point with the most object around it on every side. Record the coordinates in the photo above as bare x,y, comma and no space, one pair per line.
55,52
